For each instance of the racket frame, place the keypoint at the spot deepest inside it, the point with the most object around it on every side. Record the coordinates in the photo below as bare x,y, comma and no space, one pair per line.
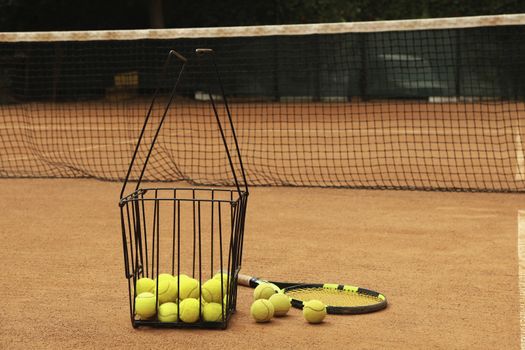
335,310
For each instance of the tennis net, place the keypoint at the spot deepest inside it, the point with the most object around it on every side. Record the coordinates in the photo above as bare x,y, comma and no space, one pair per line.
434,104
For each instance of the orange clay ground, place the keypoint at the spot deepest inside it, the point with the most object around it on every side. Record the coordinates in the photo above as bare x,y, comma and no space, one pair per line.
446,261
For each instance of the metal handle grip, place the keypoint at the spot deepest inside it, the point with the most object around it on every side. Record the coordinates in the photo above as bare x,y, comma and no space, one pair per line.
173,53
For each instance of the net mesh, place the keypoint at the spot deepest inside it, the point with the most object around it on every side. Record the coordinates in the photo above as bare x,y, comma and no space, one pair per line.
333,297
418,108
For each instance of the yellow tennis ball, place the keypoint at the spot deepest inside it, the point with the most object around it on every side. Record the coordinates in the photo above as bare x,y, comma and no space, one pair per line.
189,288
218,276
182,276
203,302
314,311
225,279
189,310
168,312
262,310
212,312
212,291
265,291
145,305
281,304
177,279
165,275
167,288
145,285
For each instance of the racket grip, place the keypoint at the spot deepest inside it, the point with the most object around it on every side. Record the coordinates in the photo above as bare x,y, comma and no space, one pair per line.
244,280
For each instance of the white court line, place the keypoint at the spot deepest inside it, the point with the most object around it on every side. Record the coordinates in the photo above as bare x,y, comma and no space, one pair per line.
18,158
521,273
476,217
488,210
350,132
63,128
90,148
81,149
520,157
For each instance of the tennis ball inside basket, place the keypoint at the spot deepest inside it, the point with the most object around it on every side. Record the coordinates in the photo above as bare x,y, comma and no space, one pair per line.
225,279
166,289
188,288
181,276
189,310
212,291
281,304
225,301
165,275
168,312
262,310
145,305
212,312
145,284
265,291
314,311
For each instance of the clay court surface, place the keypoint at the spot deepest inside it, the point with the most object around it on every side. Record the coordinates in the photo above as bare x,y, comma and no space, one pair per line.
447,263
394,143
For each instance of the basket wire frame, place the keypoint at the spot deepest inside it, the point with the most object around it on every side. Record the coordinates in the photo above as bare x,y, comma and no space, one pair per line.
165,230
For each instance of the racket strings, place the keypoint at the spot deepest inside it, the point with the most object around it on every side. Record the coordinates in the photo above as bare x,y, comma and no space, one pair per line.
333,297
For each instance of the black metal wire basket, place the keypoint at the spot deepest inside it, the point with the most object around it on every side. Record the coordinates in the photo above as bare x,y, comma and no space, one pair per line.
186,233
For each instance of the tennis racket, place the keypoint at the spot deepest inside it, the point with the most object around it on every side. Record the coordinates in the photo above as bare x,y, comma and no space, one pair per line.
340,299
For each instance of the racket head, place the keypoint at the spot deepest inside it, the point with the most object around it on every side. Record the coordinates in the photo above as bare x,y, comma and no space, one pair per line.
340,299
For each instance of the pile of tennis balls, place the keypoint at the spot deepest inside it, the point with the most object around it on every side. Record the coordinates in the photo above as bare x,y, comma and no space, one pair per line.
178,298
269,301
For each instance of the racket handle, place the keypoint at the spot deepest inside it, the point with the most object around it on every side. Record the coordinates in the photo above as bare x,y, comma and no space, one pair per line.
244,280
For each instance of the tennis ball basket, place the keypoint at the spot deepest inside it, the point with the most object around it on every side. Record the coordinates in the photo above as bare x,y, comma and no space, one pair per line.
183,246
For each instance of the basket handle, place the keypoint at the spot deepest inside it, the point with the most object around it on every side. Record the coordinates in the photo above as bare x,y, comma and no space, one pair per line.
171,54
210,52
